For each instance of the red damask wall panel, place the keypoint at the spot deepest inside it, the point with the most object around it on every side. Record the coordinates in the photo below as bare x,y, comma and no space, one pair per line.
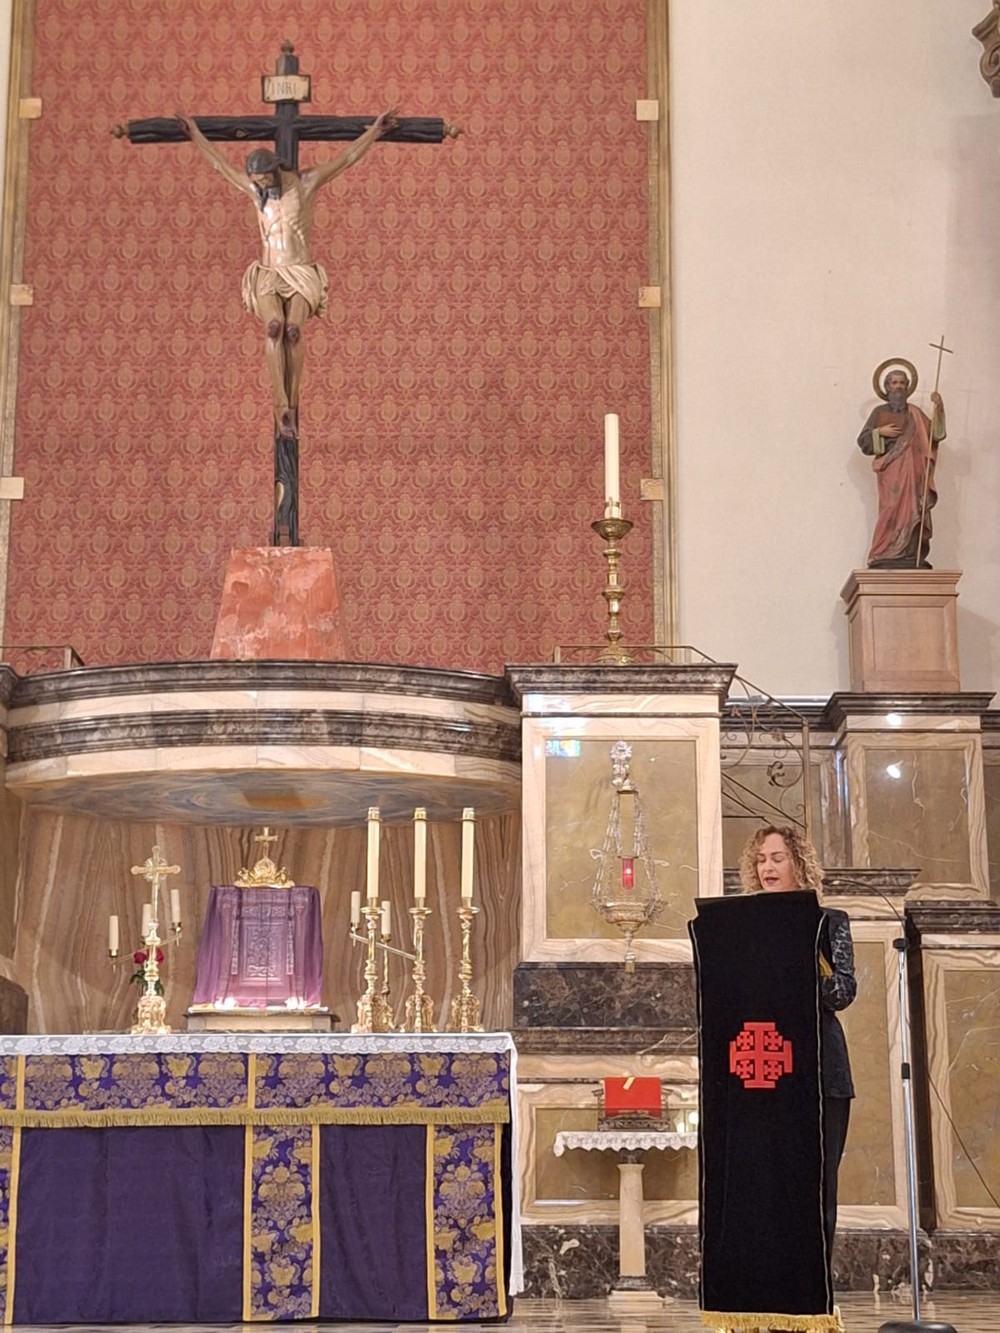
482,319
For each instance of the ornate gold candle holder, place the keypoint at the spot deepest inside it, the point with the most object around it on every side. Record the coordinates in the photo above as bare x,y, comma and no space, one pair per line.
419,1006
151,1013
465,1005
613,530
374,1011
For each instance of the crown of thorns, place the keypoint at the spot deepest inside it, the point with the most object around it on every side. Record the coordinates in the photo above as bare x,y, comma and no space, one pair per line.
262,162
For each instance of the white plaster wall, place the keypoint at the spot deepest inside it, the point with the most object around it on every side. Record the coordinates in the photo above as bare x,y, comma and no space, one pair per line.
836,201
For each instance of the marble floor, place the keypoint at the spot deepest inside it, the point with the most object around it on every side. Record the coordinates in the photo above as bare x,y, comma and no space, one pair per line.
967,1312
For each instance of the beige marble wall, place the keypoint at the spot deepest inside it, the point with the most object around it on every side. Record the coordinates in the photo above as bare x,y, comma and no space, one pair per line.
567,791
578,795
872,1180
991,780
74,872
558,1092
962,996
918,800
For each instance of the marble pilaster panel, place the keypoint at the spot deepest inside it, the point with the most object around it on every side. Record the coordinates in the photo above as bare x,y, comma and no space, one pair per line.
991,782
560,1093
578,794
567,801
872,1189
919,800
962,1001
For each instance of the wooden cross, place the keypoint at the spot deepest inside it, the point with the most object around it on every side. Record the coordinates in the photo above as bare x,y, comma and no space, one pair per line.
940,349
286,90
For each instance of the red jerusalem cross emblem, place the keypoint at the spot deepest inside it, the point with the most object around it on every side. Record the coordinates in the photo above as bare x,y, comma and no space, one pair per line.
759,1055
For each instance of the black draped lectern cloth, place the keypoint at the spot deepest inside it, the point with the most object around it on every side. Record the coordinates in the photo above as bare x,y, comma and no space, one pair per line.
764,1256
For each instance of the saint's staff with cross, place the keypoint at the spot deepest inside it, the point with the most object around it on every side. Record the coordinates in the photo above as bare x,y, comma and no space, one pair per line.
286,287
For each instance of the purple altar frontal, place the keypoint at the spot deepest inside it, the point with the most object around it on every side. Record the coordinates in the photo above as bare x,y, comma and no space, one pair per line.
260,948
219,1178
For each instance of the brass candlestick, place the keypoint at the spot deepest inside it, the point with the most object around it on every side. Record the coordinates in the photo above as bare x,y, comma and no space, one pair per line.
613,530
465,1006
151,1012
372,1013
386,1002
419,1006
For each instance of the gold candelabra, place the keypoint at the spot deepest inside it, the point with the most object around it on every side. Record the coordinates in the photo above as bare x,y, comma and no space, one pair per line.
465,1005
151,1012
613,530
616,895
419,1006
374,1009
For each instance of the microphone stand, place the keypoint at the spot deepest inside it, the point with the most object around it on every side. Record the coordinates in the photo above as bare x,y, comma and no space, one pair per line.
916,1325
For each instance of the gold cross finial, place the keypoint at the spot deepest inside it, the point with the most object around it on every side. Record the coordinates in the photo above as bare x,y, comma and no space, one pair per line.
154,868
267,837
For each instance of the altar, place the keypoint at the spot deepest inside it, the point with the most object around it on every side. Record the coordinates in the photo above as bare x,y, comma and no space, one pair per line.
216,1178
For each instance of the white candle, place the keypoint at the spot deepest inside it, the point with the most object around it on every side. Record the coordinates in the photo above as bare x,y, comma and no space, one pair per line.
112,934
356,908
373,832
612,494
175,906
420,855
386,924
147,918
468,852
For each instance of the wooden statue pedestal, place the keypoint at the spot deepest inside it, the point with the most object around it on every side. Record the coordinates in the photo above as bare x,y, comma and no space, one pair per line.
903,635
280,603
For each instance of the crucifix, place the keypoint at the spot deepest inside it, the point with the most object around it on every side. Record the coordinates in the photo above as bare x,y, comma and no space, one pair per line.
267,837
154,869
287,286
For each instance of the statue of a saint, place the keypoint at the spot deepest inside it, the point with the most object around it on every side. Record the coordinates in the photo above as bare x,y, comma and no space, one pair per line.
902,443
287,286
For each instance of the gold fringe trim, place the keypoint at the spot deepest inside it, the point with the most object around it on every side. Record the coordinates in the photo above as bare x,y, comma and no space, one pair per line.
491,1113
793,1323
248,1220
13,1185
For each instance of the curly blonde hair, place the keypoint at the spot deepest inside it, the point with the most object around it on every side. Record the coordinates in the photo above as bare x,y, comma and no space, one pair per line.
807,867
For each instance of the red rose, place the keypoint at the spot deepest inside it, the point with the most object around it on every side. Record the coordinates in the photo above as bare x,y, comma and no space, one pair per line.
139,956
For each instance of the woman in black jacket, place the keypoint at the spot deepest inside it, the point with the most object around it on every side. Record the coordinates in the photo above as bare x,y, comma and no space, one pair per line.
778,859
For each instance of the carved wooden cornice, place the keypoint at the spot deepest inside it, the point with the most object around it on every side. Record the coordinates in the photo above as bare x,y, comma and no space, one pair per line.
987,31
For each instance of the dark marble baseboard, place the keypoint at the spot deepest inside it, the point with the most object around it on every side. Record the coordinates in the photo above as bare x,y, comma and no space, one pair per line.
657,996
606,1041
966,1260
581,1262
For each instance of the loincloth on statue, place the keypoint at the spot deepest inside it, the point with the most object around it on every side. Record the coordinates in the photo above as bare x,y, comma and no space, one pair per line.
306,280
